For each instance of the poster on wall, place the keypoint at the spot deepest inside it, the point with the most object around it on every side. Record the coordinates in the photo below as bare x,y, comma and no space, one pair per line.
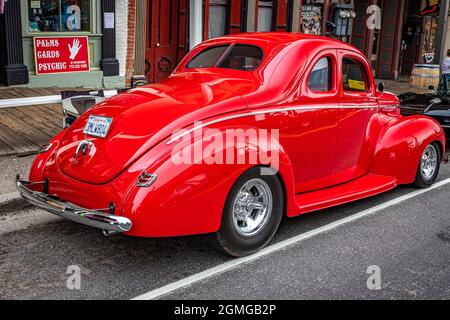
61,54
312,19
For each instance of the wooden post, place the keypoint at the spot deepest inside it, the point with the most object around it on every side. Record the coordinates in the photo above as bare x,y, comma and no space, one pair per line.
442,32
13,71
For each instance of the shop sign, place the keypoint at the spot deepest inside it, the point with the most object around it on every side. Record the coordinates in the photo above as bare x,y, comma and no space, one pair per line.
61,54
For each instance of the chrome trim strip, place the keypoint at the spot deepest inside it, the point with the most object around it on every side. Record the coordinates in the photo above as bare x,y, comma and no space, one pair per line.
67,210
256,113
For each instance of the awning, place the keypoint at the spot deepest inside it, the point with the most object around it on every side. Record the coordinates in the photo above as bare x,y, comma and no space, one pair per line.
432,8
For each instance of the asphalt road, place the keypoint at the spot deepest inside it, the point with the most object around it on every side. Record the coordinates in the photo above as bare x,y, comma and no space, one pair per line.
408,242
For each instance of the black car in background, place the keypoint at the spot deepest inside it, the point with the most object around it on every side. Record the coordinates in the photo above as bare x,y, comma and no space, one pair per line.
435,104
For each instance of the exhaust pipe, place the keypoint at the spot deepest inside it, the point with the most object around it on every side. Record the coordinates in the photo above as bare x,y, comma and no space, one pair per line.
107,233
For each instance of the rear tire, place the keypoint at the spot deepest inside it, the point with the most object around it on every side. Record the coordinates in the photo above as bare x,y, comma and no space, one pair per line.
252,213
429,166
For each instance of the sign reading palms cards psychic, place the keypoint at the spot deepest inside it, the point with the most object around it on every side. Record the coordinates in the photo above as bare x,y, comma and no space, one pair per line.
61,54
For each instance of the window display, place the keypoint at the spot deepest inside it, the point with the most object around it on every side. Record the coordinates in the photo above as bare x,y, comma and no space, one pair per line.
59,15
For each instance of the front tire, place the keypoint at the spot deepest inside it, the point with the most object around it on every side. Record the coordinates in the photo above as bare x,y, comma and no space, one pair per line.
252,213
429,166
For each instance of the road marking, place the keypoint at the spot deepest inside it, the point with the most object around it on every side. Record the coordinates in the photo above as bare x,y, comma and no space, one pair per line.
283,245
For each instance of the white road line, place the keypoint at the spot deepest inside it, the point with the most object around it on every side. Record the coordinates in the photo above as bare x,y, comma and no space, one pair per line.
227,266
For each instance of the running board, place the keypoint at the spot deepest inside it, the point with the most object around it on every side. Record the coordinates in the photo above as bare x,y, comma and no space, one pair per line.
366,186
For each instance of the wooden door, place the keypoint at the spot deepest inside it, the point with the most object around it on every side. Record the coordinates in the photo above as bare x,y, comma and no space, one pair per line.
162,39
390,39
362,36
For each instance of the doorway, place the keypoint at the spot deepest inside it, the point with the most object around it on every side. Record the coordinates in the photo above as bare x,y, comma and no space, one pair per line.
411,37
162,39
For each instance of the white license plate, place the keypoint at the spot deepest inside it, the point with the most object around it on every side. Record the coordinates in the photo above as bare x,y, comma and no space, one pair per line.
98,126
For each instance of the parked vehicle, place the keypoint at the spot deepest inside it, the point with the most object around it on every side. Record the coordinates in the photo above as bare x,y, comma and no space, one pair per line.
435,104
333,137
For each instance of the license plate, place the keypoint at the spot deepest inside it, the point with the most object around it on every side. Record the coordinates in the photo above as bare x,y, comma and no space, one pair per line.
98,126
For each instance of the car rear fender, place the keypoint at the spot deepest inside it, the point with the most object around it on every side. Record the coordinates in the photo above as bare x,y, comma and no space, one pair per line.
189,198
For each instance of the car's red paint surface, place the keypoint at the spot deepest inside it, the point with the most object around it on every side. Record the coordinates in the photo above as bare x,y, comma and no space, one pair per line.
335,147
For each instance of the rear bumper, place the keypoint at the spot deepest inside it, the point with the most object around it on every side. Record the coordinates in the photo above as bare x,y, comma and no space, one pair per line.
109,223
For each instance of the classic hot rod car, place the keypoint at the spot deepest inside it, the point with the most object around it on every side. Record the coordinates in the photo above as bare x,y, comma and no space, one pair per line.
435,104
309,105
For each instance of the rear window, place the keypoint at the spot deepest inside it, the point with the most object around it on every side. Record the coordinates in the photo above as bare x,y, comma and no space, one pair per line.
208,57
240,57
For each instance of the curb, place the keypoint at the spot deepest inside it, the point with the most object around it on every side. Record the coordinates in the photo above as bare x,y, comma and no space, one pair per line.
11,201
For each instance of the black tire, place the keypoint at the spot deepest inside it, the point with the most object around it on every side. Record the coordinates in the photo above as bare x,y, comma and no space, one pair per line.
228,239
423,181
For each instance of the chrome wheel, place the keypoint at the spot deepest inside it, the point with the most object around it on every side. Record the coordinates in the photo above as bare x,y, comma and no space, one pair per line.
429,162
252,207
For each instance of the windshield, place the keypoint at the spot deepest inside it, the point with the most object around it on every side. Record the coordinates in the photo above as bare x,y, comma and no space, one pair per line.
238,57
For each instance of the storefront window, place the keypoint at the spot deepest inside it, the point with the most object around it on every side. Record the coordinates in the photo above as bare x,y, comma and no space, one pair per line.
265,15
218,12
59,15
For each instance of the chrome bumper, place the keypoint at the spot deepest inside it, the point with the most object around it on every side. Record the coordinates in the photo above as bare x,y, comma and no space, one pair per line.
110,224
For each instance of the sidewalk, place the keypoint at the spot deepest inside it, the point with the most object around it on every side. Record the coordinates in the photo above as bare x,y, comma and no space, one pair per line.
24,130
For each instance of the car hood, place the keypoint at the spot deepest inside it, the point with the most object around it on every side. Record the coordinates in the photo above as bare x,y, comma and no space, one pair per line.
145,116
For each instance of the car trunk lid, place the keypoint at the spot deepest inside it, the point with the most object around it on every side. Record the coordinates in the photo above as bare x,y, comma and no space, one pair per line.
143,117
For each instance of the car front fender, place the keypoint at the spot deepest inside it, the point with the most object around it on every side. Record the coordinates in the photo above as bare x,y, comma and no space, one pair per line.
401,145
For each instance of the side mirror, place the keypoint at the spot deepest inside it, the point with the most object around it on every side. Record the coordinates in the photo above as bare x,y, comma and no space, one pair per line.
431,87
381,86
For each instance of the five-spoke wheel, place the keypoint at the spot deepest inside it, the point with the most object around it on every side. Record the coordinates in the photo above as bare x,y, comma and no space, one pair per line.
429,166
252,213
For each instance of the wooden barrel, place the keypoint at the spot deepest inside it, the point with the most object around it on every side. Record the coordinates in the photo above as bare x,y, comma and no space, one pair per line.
424,75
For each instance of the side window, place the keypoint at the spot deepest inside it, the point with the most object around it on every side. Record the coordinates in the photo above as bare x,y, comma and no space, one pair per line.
321,76
354,78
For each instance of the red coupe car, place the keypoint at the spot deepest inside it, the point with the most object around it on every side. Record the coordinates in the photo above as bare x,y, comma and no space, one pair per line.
249,128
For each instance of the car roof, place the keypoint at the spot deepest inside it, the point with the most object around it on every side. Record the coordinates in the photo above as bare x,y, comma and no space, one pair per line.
276,38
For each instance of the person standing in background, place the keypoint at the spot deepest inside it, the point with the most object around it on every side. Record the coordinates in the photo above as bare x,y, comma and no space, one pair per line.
445,65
